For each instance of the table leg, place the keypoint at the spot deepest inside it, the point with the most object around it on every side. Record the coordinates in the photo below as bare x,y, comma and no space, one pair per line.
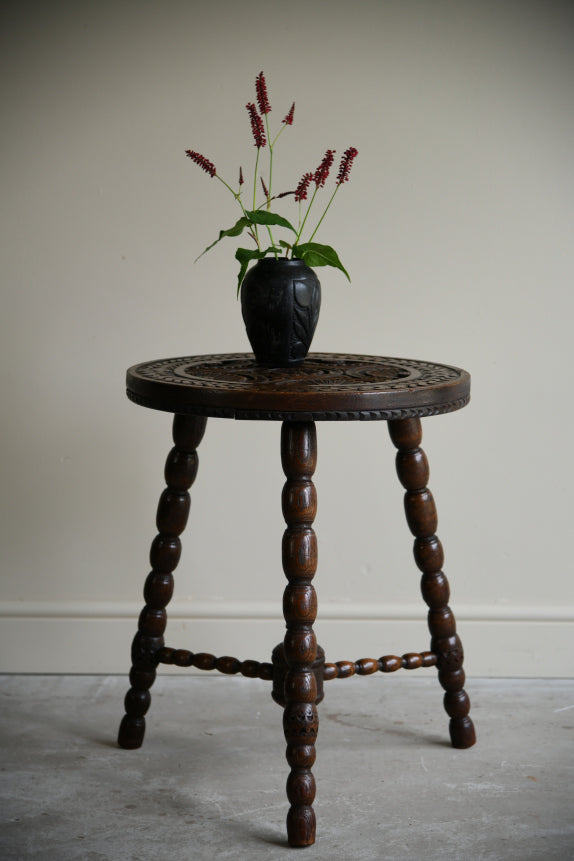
172,513
413,472
300,719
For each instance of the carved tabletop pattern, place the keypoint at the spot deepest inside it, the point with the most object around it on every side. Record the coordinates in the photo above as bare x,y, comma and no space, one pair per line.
326,386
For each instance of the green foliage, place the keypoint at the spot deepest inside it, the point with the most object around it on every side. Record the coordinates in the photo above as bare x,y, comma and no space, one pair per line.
245,256
236,230
314,254
260,216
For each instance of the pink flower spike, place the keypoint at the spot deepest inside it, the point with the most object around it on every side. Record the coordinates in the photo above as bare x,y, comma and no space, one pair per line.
346,162
203,162
262,97
240,176
322,172
265,189
288,120
256,126
302,188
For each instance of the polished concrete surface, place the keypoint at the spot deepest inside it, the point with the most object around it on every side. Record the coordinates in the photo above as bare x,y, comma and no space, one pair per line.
209,781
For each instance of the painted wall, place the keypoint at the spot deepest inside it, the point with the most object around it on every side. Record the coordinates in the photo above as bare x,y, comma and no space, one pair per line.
457,230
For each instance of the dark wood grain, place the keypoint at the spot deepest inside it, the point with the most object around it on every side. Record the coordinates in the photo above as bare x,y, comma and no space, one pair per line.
385,664
326,387
205,661
171,519
300,718
421,514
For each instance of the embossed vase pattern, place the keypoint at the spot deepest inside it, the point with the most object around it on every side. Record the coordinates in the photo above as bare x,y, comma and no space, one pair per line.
280,302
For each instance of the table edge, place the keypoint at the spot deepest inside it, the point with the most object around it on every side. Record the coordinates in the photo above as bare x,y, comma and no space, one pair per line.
358,406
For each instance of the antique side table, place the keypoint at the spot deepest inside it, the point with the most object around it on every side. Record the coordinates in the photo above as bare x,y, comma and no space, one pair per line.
326,387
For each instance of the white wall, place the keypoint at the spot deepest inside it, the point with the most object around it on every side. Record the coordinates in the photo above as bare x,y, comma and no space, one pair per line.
457,230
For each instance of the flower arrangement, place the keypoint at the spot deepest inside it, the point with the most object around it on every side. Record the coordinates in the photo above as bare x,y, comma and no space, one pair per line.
257,219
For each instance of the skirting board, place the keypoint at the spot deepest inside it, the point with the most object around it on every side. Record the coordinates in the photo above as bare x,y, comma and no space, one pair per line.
88,637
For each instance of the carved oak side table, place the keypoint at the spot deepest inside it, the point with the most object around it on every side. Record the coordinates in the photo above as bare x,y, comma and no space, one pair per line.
326,387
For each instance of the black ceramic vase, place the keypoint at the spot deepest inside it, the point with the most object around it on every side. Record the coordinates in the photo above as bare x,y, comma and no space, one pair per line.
280,302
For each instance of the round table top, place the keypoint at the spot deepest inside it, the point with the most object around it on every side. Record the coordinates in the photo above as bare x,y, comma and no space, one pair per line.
327,386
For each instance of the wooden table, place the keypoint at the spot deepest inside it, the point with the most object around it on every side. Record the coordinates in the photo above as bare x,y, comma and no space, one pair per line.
326,387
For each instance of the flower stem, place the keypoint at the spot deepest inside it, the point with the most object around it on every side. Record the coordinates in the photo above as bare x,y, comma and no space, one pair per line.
306,216
270,181
276,136
237,196
270,162
255,195
324,213
271,145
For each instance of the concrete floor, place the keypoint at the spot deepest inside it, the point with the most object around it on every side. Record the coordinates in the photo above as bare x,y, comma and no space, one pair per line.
209,781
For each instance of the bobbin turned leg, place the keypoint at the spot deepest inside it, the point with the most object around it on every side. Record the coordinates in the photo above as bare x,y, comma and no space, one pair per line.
172,513
300,720
413,472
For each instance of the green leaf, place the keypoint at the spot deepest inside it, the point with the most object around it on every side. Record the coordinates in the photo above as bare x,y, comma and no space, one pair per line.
236,230
314,254
245,256
269,218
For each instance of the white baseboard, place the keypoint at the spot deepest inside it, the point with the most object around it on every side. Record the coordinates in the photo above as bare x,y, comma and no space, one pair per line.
95,637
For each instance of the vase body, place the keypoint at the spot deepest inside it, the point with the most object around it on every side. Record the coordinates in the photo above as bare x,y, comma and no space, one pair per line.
280,302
